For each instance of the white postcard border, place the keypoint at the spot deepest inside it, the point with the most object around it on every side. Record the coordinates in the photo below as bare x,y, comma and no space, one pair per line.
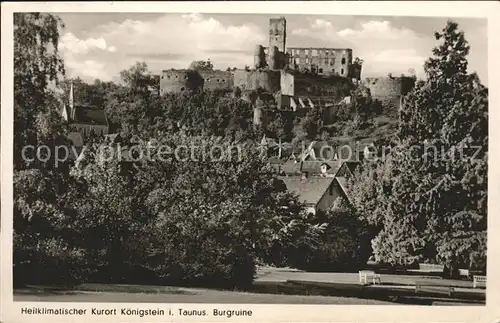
10,311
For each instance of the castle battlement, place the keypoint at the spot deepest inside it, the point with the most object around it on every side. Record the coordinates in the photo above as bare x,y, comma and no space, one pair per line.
389,89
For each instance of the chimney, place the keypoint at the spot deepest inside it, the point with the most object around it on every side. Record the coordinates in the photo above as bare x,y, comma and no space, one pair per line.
71,102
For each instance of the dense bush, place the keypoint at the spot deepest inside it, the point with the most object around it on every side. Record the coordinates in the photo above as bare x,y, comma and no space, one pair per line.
344,244
46,249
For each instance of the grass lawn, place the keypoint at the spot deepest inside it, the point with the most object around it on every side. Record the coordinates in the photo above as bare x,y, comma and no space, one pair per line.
183,295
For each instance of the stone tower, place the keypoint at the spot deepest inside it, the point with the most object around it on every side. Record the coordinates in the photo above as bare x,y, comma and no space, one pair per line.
259,57
277,33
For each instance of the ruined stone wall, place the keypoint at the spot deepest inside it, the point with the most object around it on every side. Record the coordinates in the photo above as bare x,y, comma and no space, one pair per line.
259,57
389,89
322,61
275,60
217,80
355,71
252,80
174,81
310,85
287,81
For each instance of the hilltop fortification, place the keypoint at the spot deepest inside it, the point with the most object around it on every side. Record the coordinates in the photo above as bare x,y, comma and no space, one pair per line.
296,76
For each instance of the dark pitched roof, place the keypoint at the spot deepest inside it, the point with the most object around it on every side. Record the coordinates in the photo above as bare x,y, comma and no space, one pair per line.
342,182
290,167
274,160
90,115
352,165
329,150
286,151
309,190
314,167
344,150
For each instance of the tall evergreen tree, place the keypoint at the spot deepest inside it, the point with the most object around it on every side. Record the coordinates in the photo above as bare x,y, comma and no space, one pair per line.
432,201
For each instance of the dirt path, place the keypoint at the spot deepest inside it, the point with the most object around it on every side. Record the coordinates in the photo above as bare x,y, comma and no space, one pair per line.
193,296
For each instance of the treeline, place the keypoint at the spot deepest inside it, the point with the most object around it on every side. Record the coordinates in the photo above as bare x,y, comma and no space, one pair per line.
135,106
195,223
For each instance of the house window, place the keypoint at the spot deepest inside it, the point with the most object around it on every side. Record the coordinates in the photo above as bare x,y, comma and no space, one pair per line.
333,70
320,70
342,71
182,89
343,60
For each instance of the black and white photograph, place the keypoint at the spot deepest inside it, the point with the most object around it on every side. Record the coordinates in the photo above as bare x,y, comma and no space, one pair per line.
246,158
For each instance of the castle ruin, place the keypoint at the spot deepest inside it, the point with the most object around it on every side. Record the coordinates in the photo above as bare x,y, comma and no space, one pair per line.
297,77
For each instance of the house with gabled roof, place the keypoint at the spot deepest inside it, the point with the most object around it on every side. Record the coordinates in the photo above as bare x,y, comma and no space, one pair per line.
316,193
317,181
333,150
334,168
84,120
